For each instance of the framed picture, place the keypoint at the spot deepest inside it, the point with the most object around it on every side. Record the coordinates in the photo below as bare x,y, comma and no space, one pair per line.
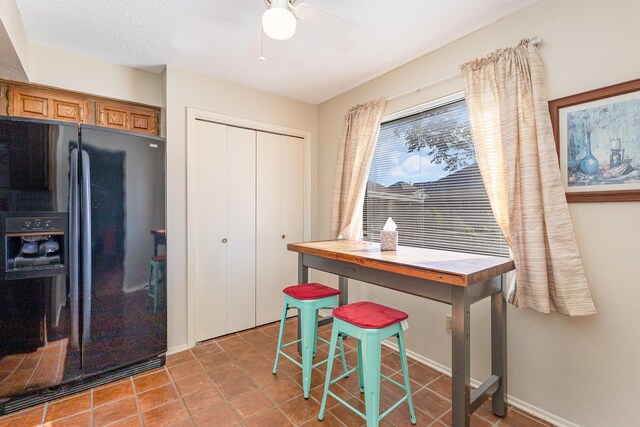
598,141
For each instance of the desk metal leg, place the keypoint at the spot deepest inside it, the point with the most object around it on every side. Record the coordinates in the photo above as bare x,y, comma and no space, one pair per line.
499,348
303,277
460,355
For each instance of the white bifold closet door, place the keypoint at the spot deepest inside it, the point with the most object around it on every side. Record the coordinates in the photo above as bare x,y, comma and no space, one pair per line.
223,197
279,219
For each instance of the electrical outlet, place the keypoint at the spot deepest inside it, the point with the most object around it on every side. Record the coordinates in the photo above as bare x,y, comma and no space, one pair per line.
448,323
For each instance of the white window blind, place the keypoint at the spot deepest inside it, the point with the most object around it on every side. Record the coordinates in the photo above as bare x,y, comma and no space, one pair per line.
424,175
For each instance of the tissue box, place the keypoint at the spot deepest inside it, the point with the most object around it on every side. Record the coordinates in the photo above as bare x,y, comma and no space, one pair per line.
388,240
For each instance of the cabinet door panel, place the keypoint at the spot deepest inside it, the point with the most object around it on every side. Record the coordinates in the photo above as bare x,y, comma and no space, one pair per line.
126,117
241,223
111,115
68,110
46,104
30,106
209,228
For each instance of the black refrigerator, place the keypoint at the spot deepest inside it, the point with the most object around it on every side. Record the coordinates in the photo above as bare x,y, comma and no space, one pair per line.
82,258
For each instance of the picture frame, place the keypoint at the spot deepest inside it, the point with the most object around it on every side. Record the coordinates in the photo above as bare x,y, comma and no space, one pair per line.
597,135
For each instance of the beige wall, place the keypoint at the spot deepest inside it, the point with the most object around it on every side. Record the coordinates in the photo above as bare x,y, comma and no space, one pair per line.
583,370
65,70
187,89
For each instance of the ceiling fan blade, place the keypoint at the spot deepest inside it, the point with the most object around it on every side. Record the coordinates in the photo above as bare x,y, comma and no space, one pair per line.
343,27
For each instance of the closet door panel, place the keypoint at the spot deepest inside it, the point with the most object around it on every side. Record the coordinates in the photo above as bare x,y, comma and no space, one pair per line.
280,220
269,286
292,218
209,195
241,223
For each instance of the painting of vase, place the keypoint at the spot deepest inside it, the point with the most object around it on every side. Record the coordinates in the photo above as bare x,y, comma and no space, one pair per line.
602,143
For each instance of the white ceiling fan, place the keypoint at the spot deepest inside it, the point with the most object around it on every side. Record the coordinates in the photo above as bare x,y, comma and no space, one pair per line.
280,19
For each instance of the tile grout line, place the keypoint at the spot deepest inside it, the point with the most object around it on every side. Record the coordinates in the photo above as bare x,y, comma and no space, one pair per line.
218,388
276,406
288,376
44,412
91,417
135,397
184,406
180,397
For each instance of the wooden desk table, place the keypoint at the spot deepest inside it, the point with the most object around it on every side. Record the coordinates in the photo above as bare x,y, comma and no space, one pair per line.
449,277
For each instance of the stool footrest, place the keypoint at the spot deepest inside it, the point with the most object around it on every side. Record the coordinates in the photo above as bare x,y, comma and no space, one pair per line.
393,407
339,354
291,358
290,343
381,416
345,375
393,382
324,341
339,399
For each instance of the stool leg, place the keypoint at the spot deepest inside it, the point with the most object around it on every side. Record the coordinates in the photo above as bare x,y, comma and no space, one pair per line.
344,360
327,380
285,308
315,334
360,370
307,318
405,374
371,368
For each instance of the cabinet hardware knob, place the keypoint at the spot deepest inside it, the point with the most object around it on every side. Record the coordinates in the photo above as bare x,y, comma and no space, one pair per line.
224,240
284,236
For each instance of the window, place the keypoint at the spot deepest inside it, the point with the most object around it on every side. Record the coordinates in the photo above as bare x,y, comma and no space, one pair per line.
424,175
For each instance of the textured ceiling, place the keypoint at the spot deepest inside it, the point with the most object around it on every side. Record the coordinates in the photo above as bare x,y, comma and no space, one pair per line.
324,58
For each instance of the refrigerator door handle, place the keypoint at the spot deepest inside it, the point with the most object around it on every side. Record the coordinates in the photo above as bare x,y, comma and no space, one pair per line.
74,230
86,248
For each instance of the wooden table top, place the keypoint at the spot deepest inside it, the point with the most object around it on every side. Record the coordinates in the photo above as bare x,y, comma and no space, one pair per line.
442,266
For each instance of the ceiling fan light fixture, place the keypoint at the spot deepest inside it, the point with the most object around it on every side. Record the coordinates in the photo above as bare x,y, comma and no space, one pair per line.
278,22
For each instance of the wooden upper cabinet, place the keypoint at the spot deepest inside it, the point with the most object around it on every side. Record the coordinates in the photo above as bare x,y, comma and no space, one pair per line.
42,102
47,104
127,117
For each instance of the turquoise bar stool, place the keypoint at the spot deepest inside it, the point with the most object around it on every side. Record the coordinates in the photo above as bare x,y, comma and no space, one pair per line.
157,275
308,299
369,323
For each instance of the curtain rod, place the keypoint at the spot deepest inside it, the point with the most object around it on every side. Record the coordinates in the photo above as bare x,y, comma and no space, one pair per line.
535,40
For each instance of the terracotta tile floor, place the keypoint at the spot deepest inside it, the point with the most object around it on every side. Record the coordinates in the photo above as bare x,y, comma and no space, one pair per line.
228,381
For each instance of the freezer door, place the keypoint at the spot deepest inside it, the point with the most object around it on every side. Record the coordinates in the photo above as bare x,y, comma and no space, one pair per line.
38,325
123,286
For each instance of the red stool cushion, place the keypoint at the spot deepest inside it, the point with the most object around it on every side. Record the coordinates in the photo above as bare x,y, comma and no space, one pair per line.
159,258
310,291
369,315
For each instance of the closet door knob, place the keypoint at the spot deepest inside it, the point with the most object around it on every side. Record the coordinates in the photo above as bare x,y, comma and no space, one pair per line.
224,240
284,236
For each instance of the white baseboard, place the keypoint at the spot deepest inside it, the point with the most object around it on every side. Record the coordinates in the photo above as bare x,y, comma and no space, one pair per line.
522,405
177,349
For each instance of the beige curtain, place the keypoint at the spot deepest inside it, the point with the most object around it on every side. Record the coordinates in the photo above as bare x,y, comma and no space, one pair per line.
355,153
507,99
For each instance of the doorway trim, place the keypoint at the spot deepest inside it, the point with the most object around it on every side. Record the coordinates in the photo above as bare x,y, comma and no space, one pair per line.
194,114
